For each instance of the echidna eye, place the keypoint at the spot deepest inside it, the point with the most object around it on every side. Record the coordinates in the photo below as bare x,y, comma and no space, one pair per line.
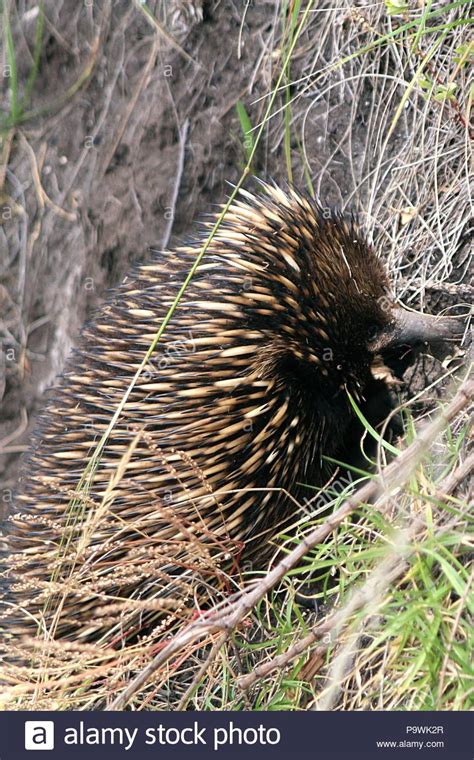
372,332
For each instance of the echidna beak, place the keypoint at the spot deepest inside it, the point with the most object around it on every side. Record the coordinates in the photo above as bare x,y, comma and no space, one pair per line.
422,332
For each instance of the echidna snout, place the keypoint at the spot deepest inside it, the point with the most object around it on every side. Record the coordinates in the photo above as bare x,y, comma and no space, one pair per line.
413,330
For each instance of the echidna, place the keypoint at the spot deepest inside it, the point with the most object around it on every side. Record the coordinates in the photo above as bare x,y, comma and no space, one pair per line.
246,391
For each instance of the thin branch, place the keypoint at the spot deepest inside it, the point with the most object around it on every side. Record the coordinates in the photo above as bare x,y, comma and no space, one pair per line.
183,134
202,670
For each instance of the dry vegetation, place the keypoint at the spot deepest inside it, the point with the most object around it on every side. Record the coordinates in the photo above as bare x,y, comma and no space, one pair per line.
366,106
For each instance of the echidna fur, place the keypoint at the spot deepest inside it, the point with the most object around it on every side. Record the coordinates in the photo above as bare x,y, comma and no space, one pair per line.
246,391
